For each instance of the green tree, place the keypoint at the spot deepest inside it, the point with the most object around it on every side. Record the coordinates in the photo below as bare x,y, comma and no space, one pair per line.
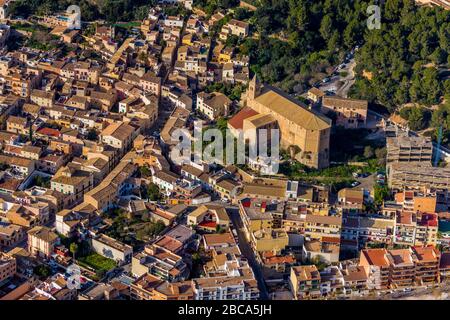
326,27
153,192
30,133
92,135
380,194
42,271
368,152
73,249
380,154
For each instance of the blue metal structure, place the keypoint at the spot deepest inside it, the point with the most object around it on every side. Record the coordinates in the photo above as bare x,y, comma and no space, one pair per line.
438,147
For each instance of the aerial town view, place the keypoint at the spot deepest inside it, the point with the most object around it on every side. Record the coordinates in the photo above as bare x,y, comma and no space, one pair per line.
225,150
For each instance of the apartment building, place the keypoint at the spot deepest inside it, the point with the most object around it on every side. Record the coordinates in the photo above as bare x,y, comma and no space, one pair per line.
416,200
332,282
151,83
260,214
73,182
118,135
312,225
226,288
17,125
357,231
274,240
209,216
416,228
42,98
213,105
400,268
426,260
104,196
404,175
81,70
42,241
21,83
355,280
235,27
149,287
159,262
304,282
402,147
7,267
10,235
377,267
20,165
29,215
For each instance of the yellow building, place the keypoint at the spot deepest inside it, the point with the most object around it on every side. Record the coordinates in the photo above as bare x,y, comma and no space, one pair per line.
42,241
273,240
73,182
299,127
209,215
305,282
7,267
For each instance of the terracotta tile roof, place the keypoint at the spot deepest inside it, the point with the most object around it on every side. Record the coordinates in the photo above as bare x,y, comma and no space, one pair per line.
426,254
49,132
376,257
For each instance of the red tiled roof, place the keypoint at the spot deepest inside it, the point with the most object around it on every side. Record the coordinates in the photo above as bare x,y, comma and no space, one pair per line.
208,224
49,132
237,121
429,219
331,239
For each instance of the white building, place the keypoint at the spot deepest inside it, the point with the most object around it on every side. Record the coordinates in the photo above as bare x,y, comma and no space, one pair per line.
112,249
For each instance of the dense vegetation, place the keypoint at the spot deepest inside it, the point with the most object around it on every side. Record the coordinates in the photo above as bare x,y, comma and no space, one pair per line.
297,42
418,117
132,229
406,57
110,10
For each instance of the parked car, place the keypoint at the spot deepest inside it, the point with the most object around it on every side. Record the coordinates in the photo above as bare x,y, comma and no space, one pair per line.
364,175
356,183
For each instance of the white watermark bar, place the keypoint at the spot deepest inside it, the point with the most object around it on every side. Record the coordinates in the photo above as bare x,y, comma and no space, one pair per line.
374,20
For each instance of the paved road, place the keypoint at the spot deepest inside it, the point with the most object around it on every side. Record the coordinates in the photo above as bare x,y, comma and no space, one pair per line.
335,82
349,80
440,292
247,251
366,183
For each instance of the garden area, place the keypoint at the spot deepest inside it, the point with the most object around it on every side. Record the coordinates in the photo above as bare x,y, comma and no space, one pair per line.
347,147
132,230
354,145
95,261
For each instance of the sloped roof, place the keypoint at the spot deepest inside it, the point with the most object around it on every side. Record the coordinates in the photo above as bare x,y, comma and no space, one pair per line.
291,109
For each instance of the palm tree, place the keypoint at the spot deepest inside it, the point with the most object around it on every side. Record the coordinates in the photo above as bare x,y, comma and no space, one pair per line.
30,133
293,151
73,248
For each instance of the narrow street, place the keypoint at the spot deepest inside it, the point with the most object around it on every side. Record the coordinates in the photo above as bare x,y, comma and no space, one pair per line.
247,251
